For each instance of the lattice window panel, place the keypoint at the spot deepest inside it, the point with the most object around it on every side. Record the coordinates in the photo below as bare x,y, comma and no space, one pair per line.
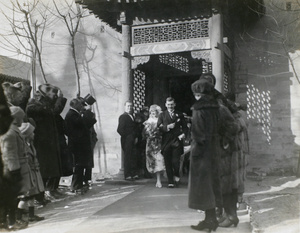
259,109
139,90
206,67
178,62
170,32
226,82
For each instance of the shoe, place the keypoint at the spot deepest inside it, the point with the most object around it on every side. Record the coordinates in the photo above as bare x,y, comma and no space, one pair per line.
50,196
80,191
158,185
176,181
171,186
205,224
128,178
56,194
136,177
42,202
35,218
3,225
221,218
229,221
19,224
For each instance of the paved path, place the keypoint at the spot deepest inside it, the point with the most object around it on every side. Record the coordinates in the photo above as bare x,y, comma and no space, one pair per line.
126,208
149,209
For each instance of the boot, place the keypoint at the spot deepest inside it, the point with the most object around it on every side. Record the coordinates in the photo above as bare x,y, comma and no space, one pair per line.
32,217
19,223
210,222
3,221
19,214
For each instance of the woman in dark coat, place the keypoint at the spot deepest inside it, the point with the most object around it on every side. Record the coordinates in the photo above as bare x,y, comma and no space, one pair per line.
229,170
204,183
228,167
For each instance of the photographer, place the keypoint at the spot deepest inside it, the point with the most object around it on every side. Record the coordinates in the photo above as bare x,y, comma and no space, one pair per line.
79,121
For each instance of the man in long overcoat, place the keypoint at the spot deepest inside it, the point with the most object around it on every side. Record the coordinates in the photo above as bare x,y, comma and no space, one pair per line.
42,108
78,132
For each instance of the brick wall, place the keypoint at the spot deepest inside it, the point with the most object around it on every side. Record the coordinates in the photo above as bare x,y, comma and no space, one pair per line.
263,81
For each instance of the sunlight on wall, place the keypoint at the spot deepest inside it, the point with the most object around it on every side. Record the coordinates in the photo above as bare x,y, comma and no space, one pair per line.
258,108
295,98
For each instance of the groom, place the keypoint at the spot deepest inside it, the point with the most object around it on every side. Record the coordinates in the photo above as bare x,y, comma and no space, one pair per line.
174,129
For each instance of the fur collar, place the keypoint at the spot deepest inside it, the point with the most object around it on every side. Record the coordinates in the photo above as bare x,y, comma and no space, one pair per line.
206,101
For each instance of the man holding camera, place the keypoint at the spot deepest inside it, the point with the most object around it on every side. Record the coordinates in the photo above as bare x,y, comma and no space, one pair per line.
78,124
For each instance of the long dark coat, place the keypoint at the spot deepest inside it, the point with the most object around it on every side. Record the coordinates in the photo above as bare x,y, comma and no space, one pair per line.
78,132
228,163
46,141
204,182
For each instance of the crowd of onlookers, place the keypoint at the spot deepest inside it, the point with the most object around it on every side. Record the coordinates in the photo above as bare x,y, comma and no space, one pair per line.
214,140
38,147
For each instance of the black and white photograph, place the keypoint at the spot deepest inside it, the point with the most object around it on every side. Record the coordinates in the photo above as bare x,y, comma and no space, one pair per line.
150,116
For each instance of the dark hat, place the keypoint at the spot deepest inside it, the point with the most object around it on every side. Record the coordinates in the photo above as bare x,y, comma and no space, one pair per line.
209,77
45,88
202,86
89,99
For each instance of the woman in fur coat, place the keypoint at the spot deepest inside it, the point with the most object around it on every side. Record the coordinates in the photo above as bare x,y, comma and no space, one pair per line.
204,183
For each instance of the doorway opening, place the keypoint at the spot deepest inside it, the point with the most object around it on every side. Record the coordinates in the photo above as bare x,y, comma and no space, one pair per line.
180,90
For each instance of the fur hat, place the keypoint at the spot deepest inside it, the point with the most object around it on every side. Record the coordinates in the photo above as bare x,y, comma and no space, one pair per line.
202,86
209,77
26,129
17,94
17,112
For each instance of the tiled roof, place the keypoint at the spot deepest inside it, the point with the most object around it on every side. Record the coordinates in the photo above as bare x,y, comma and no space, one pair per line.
148,10
13,70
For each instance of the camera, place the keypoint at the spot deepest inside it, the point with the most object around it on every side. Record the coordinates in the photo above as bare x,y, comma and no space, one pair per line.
87,100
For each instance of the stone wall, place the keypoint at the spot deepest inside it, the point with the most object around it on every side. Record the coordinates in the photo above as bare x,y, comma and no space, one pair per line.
266,82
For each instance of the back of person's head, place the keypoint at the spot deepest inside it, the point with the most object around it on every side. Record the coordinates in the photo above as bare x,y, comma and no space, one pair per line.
209,77
202,86
74,103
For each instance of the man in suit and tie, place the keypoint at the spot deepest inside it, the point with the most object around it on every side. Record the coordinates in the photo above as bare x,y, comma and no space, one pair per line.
128,130
174,128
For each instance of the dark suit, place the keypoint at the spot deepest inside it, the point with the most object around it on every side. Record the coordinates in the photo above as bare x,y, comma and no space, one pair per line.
128,130
171,146
78,132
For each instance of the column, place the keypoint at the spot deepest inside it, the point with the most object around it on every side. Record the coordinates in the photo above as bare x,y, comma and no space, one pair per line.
126,64
126,72
217,56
